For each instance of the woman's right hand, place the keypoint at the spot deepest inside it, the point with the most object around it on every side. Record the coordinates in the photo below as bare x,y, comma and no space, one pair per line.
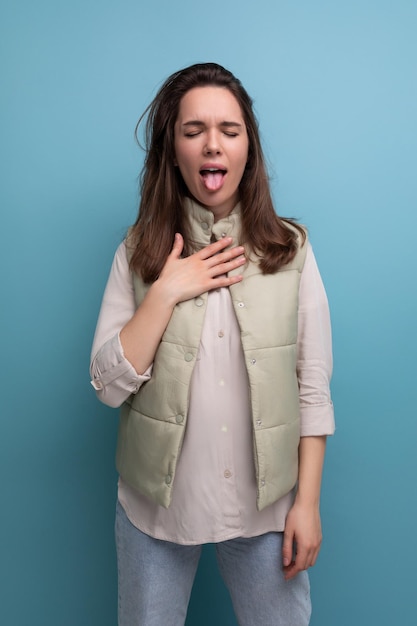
180,279
185,278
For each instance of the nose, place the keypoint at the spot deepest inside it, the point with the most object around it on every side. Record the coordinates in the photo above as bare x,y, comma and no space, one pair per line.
213,145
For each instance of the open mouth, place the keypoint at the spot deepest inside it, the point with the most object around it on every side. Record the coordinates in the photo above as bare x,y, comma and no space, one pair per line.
213,177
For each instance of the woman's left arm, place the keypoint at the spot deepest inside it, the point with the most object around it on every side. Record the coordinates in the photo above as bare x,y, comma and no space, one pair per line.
302,535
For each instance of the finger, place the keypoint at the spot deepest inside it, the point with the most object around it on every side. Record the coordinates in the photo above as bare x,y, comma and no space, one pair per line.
215,248
287,549
293,569
178,246
228,255
225,267
290,571
225,281
302,560
225,261
315,557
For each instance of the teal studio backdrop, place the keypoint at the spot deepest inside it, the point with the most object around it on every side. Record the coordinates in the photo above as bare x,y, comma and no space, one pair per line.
334,85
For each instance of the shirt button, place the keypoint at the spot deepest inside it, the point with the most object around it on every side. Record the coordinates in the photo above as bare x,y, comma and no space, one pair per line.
199,301
179,419
204,225
262,483
224,235
253,361
227,473
168,479
188,357
241,304
220,334
259,422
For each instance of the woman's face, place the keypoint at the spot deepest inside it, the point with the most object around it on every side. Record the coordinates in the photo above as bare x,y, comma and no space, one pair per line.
211,147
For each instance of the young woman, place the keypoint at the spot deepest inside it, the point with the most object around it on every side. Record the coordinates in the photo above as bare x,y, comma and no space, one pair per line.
214,337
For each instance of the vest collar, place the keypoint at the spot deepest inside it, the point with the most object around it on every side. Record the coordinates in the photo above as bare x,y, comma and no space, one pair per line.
204,229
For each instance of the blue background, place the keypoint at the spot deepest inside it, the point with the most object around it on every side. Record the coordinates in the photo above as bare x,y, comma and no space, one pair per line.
335,90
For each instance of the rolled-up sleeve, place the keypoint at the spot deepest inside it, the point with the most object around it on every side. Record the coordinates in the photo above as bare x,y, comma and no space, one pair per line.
112,375
314,360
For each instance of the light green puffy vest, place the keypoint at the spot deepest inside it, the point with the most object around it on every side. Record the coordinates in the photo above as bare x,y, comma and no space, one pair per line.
153,422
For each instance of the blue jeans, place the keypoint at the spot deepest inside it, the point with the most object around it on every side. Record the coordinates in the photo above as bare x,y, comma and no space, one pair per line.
156,578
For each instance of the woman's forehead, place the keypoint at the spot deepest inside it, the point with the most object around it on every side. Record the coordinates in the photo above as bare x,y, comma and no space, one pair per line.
209,102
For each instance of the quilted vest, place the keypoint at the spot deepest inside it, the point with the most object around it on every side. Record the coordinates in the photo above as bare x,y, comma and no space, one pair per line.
153,422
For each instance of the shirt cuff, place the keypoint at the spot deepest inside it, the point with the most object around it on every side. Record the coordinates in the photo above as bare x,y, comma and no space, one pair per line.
113,377
317,420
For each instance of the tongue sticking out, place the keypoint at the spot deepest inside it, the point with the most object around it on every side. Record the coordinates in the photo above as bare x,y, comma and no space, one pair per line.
212,180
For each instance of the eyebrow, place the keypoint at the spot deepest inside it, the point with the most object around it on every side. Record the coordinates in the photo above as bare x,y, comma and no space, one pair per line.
224,124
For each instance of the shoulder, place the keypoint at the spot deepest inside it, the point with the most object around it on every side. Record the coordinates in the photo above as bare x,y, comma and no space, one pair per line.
301,235
120,267
300,230
121,254
129,243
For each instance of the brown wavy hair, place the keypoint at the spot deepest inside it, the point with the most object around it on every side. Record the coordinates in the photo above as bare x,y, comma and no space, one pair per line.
161,214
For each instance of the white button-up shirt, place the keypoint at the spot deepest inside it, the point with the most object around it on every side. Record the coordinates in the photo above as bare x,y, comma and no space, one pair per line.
214,494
